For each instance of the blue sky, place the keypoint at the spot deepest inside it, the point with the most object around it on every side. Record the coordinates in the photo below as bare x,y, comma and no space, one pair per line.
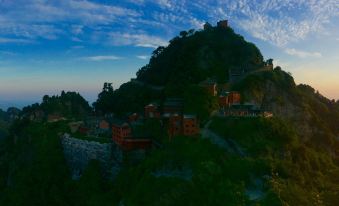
49,46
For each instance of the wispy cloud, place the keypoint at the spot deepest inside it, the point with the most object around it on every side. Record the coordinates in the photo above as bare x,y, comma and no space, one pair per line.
164,3
279,22
15,40
101,58
138,2
77,29
303,54
139,40
49,19
77,47
143,57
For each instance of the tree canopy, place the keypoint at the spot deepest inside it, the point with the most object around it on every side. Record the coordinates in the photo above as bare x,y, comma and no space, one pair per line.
195,55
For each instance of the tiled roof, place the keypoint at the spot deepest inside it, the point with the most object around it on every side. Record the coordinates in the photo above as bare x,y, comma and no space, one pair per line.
190,116
119,122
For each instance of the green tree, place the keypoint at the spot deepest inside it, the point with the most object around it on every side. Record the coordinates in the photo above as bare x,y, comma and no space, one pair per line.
105,99
198,101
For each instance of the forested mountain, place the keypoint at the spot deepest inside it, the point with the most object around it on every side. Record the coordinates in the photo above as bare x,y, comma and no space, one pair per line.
67,104
289,159
189,59
195,55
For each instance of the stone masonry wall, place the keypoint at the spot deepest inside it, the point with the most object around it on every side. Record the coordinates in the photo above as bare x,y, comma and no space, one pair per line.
78,153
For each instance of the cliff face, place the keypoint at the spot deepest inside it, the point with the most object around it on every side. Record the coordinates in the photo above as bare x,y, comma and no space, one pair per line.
312,115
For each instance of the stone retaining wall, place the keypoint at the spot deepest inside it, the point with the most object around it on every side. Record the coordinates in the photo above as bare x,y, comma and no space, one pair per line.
78,153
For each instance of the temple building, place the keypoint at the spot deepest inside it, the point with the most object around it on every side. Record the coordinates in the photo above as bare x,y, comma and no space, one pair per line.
190,125
173,106
151,111
187,125
123,136
120,131
210,85
226,99
175,125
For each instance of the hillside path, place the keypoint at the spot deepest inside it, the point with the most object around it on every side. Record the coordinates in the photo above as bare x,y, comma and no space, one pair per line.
226,144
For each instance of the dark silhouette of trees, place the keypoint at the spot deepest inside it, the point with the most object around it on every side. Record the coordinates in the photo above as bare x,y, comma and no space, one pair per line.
104,103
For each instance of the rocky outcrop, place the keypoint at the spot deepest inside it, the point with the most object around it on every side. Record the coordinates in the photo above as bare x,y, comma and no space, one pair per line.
78,153
279,102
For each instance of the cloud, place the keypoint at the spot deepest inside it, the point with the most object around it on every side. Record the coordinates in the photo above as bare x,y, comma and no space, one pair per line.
77,47
15,40
48,19
143,57
139,40
101,58
164,3
303,54
75,39
77,29
279,22
138,2
19,30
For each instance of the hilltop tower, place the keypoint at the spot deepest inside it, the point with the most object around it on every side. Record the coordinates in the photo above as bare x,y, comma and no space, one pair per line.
207,26
223,24
268,65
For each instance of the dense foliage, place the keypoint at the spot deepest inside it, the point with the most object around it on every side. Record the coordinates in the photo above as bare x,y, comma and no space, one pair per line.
194,56
4,123
198,101
300,104
68,104
301,173
33,170
130,97
185,171
3,115
189,59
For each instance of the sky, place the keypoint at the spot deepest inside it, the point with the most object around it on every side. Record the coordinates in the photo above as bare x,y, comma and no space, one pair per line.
76,45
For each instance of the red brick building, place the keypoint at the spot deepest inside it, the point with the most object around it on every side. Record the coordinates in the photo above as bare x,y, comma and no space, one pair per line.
122,136
175,125
104,125
187,125
229,98
210,85
234,97
190,125
151,111
120,131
